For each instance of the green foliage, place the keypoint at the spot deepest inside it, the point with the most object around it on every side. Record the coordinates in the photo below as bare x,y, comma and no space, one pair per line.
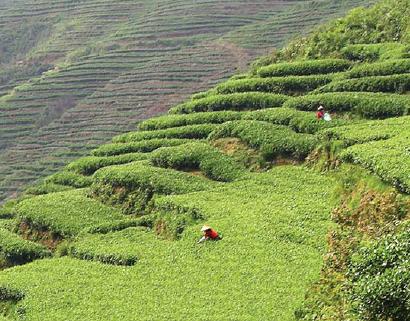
185,132
7,209
384,22
302,68
279,85
372,52
47,188
380,277
145,221
368,131
299,121
367,105
14,250
283,248
392,83
168,121
88,165
234,101
272,140
69,179
139,175
145,146
389,67
66,213
388,159
117,248
202,156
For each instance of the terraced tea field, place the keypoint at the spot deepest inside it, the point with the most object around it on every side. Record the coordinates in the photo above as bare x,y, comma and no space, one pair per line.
312,210
75,73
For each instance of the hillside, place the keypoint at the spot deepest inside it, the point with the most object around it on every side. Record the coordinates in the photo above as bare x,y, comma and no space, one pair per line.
313,213
76,73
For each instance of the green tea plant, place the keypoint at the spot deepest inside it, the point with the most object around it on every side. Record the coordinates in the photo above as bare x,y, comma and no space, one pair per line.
66,213
391,83
66,178
88,165
388,159
380,278
367,105
279,85
202,156
304,67
376,51
236,101
272,140
168,121
384,68
14,250
144,146
184,132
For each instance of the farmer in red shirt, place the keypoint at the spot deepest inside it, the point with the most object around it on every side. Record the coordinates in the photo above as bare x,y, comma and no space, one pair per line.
209,234
320,112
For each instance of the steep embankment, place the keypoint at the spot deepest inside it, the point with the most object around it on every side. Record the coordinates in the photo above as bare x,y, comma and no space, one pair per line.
113,235
75,73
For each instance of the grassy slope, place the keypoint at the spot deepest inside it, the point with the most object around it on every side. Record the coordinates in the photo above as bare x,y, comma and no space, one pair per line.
259,271
119,68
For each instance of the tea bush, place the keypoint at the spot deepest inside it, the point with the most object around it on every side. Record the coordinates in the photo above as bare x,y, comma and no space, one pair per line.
304,67
46,188
66,213
139,175
14,250
145,146
118,248
272,140
208,159
185,132
373,52
235,101
88,165
368,131
168,121
392,83
299,121
69,179
388,159
380,278
384,68
279,85
367,105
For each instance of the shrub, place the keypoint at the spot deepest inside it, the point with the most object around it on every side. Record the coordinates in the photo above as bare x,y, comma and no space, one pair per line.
117,248
133,186
236,101
388,159
88,165
145,221
139,175
208,159
169,121
272,140
380,275
14,250
185,132
368,105
392,83
65,213
304,67
368,131
384,68
47,188
280,85
69,179
299,121
372,52
145,146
